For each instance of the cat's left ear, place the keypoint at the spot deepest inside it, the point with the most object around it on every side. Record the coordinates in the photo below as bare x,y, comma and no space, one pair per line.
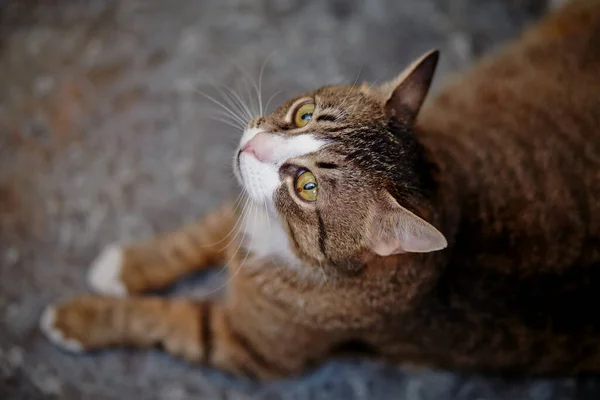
405,95
393,229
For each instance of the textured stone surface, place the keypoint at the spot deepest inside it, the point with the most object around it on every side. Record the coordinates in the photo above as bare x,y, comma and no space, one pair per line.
105,137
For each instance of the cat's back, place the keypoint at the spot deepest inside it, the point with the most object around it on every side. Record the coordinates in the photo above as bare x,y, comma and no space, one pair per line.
518,142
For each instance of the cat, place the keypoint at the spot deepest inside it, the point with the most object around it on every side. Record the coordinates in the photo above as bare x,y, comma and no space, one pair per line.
462,232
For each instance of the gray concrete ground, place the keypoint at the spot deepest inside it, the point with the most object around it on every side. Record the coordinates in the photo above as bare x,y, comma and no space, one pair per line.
104,137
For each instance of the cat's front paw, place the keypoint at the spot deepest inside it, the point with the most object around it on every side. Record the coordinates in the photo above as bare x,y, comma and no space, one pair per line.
105,273
50,326
82,323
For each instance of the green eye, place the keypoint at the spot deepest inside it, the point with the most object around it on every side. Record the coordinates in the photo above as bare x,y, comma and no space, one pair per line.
304,114
306,186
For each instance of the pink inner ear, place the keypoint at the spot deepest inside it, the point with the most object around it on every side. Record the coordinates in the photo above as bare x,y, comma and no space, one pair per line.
422,242
397,230
386,247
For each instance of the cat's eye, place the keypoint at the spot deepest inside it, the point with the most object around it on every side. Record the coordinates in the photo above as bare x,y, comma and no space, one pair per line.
304,114
306,186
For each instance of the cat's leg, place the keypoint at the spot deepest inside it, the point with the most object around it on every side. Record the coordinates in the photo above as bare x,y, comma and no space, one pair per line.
240,342
137,267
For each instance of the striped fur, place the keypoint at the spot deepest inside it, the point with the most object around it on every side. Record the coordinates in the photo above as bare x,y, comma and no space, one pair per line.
505,162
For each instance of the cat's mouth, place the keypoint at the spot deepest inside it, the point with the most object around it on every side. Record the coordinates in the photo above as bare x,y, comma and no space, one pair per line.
239,168
260,180
236,166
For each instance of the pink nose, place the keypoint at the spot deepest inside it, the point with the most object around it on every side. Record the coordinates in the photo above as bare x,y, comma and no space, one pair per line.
260,147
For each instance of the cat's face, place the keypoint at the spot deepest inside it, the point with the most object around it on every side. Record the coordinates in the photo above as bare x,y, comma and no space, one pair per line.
339,168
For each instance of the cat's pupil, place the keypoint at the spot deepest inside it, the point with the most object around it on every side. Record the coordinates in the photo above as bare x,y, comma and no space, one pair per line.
307,116
310,186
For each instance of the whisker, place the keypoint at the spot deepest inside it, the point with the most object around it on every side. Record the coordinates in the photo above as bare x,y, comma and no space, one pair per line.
352,87
238,201
217,102
362,96
237,225
227,122
223,113
231,101
240,101
238,107
253,85
234,255
344,111
260,75
268,216
248,93
247,250
271,98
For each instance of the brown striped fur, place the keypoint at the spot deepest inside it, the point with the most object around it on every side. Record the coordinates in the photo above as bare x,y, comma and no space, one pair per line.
509,172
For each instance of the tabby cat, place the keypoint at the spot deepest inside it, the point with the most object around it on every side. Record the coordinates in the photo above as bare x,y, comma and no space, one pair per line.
466,238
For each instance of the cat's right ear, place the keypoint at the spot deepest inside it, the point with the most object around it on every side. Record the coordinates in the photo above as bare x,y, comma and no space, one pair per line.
393,229
405,95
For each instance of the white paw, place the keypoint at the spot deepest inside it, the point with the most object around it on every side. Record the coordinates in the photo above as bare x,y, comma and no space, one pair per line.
104,275
56,336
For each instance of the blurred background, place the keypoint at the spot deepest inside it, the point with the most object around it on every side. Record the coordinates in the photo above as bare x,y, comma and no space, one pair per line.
105,136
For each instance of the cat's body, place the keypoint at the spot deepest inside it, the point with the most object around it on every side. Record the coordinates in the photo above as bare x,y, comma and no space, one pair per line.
517,141
505,163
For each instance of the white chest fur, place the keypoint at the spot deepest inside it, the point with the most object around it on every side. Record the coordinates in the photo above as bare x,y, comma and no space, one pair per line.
266,238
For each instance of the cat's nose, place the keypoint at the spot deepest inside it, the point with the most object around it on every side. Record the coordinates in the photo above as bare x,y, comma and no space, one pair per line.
259,147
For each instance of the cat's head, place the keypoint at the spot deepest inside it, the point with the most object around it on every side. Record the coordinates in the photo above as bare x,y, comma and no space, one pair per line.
341,170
